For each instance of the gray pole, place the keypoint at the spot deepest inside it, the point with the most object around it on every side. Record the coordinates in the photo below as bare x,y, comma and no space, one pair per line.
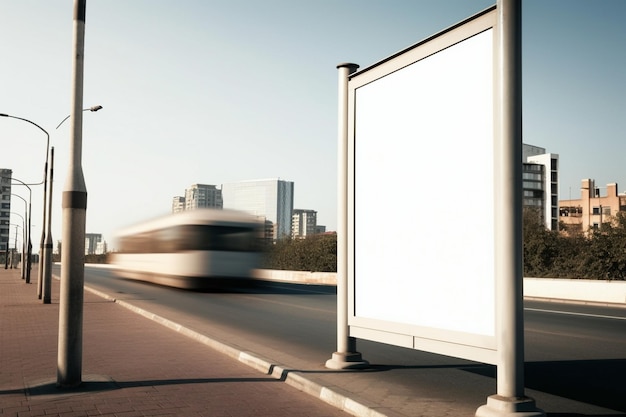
510,399
23,263
45,171
23,231
69,362
29,250
26,244
43,229
346,356
47,268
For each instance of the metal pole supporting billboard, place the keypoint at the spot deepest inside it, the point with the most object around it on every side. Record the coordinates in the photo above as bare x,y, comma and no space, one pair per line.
510,399
346,356
69,361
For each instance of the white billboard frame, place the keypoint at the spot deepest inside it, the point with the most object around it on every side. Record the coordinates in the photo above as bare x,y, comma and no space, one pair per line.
381,313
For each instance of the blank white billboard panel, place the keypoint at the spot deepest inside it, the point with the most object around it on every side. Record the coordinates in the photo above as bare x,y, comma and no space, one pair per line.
421,238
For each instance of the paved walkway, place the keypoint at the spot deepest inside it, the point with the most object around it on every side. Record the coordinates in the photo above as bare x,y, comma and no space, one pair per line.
131,367
134,365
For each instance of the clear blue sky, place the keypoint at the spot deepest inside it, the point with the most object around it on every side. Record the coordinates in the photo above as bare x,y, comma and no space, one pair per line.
219,91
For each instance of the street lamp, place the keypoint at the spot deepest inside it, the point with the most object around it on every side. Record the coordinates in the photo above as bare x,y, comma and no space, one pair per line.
25,238
69,358
45,275
92,108
47,266
30,246
45,187
6,259
15,245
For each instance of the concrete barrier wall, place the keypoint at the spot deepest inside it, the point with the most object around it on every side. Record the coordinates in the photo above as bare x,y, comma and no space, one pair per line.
302,277
562,289
576,289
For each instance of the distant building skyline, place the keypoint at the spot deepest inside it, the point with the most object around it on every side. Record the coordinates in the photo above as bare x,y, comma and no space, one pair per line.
303,223
268,198
5,207
203,196
540,185
94,244
592,208
198,196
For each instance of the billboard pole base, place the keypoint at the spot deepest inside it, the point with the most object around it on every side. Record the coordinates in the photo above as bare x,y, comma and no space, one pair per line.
499,406
347,360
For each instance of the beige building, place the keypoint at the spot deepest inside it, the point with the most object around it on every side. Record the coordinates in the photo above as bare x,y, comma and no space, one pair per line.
593,208
303,223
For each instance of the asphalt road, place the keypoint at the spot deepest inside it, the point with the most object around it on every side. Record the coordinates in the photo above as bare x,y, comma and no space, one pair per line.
573,351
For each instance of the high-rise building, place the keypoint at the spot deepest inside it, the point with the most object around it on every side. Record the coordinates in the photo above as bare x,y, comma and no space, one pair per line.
271,199
92,243
540,183
178,204
5,207
202,196
303,223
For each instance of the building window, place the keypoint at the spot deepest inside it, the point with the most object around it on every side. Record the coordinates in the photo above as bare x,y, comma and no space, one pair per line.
553,164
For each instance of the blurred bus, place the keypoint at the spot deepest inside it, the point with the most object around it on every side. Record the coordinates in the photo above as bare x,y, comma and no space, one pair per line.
195,249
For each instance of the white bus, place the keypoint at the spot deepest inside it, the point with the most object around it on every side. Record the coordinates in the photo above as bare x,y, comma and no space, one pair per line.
195,249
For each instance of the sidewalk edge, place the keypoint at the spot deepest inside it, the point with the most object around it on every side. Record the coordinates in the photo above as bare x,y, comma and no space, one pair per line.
296,379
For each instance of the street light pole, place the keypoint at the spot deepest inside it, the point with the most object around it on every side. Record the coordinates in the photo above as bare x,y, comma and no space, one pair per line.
25,238
45,187
47,261
28,238
92,108
15,245
69,360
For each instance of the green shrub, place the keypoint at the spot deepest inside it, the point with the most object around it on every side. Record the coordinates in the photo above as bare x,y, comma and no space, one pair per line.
315,253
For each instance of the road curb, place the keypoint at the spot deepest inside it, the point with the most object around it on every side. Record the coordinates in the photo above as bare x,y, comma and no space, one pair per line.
298,380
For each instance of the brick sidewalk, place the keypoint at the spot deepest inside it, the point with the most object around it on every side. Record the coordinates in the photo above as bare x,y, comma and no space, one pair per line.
131,366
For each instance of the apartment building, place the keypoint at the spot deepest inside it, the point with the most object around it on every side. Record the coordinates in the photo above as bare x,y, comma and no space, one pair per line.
5,207
203,196
593,208
303,223
178,204
198,196
540,183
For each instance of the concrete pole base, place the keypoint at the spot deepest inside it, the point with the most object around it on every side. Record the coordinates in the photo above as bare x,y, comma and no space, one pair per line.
498,406
347,360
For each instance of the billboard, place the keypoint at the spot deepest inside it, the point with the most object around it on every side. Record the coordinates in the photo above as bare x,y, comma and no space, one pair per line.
421,199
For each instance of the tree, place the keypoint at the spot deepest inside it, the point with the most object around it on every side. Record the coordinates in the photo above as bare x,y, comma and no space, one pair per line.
540,247
607,249
315,253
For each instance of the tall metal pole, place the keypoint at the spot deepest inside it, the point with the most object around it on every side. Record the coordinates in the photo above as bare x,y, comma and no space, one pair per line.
510,399
24,235
346,356
69,361
28,247
47,243
47,268
45,173
42,255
